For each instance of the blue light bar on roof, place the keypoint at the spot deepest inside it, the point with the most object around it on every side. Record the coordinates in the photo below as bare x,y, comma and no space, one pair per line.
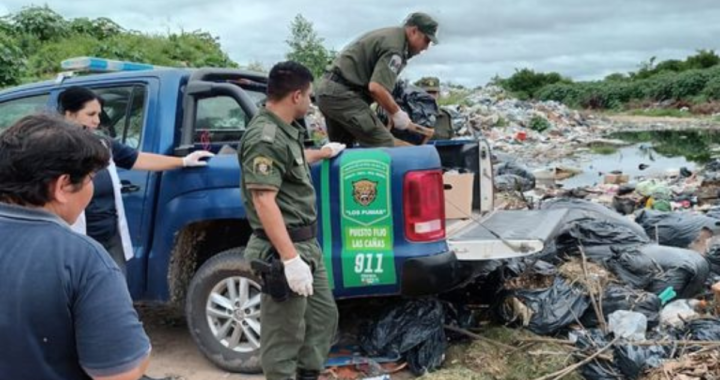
93,64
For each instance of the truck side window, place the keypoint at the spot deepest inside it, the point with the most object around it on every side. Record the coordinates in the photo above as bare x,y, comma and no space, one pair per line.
219,119
123,114
15,109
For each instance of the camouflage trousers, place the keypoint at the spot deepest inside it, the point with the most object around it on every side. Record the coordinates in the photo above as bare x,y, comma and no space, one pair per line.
296,333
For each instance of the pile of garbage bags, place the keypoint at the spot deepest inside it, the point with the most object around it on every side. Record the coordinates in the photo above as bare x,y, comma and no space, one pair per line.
414,330
648,292
513,177
601,282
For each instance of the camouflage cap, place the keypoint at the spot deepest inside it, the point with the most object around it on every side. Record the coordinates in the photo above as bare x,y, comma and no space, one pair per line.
429,84
426,24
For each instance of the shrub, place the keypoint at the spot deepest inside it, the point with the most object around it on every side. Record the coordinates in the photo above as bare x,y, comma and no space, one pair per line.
539,124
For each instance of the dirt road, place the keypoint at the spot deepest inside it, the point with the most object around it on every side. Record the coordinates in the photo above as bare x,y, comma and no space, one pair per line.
174,352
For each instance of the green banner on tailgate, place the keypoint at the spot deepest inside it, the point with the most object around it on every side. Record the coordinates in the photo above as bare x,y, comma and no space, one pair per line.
366,219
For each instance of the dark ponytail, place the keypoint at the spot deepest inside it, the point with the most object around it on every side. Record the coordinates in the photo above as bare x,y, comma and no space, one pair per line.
74,98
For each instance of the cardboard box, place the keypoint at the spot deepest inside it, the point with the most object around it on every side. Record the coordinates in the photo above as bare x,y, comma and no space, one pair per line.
458,195
616,179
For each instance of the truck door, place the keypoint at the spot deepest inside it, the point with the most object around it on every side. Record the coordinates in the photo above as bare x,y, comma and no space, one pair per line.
127,114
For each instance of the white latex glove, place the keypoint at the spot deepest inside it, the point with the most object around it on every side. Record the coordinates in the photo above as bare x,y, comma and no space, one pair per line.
298,276
335,148
401,120
195,158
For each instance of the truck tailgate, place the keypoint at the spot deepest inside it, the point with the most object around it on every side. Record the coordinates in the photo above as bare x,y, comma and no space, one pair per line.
505,234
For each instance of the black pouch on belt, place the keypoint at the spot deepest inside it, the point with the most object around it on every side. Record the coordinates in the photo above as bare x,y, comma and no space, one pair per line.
272,272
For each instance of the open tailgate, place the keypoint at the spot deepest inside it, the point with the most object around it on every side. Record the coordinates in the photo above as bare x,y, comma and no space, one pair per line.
505,234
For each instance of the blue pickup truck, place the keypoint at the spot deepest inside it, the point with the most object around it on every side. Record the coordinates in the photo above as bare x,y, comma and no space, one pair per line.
382,221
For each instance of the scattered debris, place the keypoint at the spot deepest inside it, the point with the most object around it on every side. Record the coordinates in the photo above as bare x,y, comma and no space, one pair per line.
621,291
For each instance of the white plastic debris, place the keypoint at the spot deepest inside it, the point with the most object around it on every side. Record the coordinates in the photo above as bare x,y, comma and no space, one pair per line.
677,312
629,325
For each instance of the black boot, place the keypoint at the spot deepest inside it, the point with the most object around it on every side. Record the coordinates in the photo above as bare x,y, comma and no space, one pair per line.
307,374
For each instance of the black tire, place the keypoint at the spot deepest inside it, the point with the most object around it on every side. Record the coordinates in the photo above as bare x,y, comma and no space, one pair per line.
214,273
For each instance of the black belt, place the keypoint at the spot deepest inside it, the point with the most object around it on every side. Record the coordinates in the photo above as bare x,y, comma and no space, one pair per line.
297,234
339,79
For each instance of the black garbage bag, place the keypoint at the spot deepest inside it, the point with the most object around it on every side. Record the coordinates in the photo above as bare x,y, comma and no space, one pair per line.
676,229
713,256
414,329
580,209
429,355
685,270
713,166
515,169
633,267
418,104
458,314
621,298
633,360
617,229
552,308
598,238
512,182
491,287
591,341
516,267
703,329
625,189
624,206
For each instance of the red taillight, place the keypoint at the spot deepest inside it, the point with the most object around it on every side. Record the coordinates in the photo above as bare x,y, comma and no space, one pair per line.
424,203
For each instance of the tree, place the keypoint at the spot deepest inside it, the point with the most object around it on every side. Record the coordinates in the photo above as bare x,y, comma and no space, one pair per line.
306,47
35,40
615,77
674,65
41,22
702,60
12,61
525,83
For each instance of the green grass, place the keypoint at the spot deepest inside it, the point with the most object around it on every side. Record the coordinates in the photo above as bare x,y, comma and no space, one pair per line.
660,112
502,122
604,150
486,361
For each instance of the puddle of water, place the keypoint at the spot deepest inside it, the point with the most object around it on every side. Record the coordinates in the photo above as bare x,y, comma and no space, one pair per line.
661,151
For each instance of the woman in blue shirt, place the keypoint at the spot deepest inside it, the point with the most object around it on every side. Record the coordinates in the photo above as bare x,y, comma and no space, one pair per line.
105,215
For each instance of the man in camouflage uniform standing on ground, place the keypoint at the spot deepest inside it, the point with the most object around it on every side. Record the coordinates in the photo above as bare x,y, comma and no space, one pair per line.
443,124
279,197
366,72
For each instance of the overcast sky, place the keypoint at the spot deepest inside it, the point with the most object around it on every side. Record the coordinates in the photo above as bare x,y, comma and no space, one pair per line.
478,38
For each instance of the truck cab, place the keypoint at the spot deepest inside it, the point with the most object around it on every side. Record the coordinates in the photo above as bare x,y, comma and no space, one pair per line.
381,211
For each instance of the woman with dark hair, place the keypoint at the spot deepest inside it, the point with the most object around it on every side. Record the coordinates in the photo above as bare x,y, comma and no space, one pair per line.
105,216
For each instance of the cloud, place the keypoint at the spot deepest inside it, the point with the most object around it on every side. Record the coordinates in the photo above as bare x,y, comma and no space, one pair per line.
479,38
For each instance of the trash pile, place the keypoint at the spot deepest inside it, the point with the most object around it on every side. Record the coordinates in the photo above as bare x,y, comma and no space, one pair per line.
620,303
491,107
530,131
634,306
658,238
525,129
628,287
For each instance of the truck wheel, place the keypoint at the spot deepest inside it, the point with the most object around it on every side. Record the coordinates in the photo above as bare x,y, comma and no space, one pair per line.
223,312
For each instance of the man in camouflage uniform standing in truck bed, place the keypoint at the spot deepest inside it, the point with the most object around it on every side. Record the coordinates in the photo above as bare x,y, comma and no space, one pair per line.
366,72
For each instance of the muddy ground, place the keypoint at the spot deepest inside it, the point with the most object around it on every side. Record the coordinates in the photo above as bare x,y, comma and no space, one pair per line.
174,352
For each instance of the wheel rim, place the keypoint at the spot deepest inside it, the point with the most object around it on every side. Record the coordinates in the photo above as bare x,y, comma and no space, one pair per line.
233,314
